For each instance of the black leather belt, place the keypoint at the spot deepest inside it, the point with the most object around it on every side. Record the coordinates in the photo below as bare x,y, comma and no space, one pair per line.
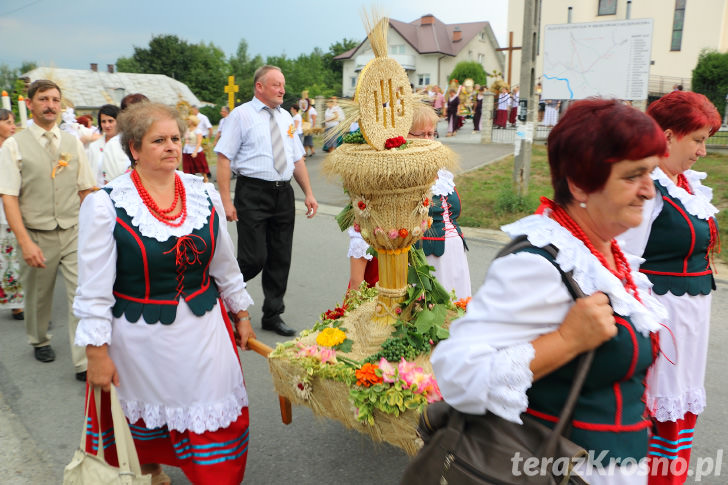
273,184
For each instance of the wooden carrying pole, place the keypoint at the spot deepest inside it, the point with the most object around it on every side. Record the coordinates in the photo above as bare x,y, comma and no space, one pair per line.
262,349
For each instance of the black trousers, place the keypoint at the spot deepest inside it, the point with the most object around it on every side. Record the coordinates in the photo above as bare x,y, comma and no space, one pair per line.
266,215
476,119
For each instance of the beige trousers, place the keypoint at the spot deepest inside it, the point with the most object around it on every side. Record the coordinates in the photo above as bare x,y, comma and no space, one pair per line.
60,248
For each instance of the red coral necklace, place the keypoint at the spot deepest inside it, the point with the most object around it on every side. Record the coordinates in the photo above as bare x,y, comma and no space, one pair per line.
622,271
159,213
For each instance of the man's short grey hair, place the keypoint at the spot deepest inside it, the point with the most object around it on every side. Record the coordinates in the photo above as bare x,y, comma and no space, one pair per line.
262,71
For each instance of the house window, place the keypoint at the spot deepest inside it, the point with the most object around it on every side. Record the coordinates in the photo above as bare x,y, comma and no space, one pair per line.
481,58
353,81
482,35
423,79
677,25
396,49
607,7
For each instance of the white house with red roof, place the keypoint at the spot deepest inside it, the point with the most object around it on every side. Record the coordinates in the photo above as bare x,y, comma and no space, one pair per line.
428,49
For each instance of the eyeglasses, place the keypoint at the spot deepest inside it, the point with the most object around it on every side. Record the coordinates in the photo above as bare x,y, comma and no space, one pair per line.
427,135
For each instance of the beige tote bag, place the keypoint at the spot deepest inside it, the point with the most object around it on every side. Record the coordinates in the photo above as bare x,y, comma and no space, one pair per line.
88,469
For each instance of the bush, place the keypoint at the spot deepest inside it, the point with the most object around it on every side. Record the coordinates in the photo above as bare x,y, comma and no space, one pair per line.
508,202
212,112
469,69
710,77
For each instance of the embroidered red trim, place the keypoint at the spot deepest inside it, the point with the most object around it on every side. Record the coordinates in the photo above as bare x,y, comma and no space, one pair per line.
211,223
671,273
145,300
692,231
202,289
186,254
592,426
618,404
143,250
635,347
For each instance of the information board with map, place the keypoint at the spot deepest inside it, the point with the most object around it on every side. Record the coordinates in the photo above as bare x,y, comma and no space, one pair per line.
607,59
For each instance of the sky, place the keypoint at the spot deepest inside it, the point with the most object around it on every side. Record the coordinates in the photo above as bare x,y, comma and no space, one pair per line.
75,33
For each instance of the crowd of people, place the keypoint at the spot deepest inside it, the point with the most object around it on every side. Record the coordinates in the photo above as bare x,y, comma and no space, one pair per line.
460,102
146,259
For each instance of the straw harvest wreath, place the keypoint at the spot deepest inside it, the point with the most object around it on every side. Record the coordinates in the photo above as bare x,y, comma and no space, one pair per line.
366,362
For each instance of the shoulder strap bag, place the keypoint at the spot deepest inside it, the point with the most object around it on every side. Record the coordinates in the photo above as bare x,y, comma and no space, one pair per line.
88,469
466,449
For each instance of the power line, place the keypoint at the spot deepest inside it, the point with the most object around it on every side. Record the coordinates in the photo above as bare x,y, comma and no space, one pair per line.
20,8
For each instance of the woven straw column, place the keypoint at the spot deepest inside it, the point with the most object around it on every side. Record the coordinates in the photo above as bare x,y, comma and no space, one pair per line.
392,284
390,191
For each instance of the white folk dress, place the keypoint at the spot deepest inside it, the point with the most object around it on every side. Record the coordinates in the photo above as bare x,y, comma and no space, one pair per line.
677,385
451,268
164,370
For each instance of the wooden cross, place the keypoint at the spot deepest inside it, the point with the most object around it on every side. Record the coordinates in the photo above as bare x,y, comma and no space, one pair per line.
510,50
232,88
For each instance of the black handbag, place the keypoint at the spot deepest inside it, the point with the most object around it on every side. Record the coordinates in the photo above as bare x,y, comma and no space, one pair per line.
465,449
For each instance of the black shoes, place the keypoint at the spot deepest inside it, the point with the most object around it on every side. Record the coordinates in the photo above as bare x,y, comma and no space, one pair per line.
81,376
278,326
44,354
19,316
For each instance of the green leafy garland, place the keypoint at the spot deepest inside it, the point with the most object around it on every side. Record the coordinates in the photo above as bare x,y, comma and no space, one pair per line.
419,327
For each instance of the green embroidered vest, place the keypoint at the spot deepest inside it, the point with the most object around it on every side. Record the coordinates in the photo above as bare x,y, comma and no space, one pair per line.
676,255
433,241
152,276
610,413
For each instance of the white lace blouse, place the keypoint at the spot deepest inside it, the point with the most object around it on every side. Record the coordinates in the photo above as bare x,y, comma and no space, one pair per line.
484,365
97,251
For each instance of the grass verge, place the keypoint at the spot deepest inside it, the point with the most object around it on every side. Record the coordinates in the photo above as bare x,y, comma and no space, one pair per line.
489,201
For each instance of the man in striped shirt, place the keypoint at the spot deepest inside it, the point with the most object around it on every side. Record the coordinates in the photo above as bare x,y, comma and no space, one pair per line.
260,146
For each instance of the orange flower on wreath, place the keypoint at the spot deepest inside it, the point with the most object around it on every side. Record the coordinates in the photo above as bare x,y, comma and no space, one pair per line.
367,375
463,302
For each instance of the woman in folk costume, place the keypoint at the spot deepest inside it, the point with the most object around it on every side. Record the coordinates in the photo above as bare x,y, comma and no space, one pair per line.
443,242
677,238
551,116
193,155
515,97
308,117
453,102
478,109
157,275
515,350
502,105
11,293
107,123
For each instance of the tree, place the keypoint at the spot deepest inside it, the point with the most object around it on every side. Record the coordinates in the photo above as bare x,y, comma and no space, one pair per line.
469,69
201,66
334,67
27,66
710,77
19,89
243,67
7,77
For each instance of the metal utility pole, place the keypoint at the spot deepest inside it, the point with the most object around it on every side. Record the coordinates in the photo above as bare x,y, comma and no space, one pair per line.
526,114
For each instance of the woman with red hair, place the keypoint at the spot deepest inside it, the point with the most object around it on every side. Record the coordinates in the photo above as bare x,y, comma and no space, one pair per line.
677,239
516,348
